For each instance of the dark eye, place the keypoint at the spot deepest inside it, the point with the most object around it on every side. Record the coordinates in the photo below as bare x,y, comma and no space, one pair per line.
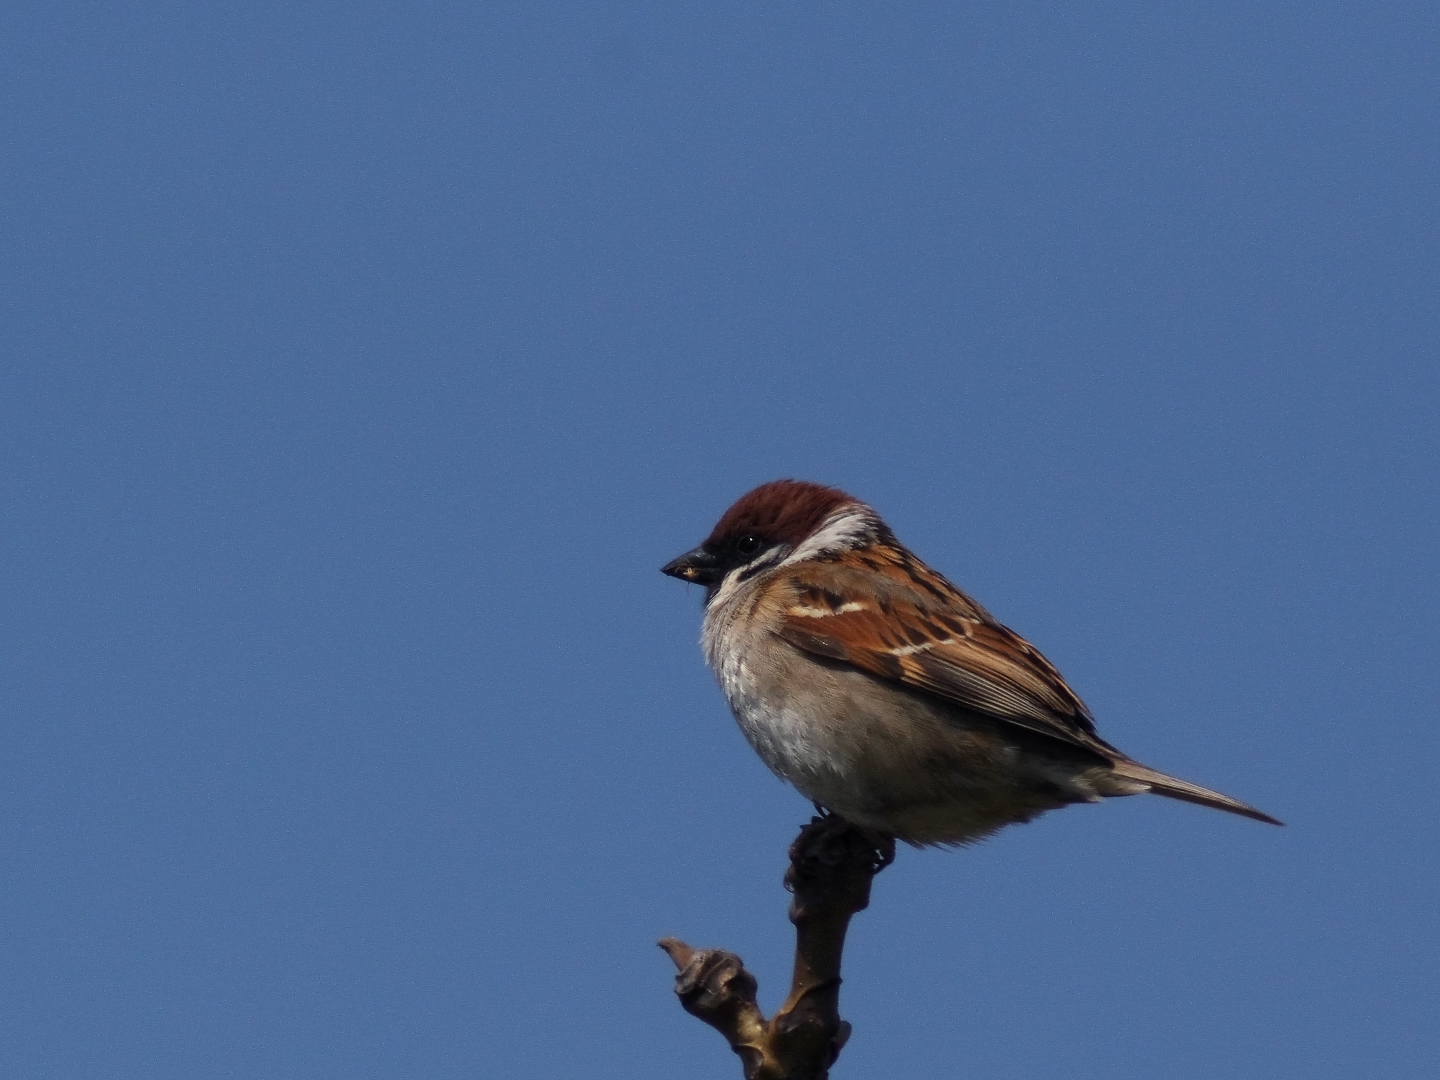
748,545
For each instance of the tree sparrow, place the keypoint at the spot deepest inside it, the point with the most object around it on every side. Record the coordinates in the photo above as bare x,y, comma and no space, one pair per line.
883,692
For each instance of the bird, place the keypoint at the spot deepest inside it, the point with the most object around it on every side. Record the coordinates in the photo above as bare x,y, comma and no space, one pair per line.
884,693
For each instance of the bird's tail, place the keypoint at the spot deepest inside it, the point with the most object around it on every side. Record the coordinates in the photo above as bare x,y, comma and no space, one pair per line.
1175,788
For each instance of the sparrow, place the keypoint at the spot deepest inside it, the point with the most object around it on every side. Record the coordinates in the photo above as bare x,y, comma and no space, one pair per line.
883,692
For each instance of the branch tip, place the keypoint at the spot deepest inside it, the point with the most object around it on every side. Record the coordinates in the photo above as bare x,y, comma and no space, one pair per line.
832,864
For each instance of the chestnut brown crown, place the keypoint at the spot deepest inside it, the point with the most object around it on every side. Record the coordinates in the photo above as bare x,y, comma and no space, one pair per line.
782,511
758,530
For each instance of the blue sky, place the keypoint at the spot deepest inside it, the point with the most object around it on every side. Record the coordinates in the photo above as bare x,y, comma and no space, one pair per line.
364,362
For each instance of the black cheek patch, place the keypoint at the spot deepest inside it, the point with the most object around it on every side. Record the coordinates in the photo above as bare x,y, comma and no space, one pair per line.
760,565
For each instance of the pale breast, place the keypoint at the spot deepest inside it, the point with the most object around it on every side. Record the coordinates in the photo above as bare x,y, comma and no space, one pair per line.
878,755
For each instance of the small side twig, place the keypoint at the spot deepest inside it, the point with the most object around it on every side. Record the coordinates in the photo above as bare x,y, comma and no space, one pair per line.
832,864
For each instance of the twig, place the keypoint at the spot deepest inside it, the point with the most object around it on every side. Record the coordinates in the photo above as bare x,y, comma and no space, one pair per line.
832,864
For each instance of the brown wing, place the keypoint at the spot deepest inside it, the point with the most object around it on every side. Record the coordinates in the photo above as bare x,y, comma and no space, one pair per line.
899,620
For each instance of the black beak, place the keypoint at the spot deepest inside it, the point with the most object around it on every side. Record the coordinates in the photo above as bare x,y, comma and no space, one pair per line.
699,567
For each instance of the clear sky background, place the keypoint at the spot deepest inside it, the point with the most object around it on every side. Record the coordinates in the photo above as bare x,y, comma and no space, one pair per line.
362,363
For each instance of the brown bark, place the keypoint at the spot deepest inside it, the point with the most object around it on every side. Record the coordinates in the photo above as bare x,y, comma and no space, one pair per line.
832,864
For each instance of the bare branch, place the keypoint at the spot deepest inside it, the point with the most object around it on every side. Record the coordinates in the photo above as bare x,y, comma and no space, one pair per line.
832,864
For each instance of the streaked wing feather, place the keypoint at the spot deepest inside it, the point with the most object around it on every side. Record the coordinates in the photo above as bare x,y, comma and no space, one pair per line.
918,630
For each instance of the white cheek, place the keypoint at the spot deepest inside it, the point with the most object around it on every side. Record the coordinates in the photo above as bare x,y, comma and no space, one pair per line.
847,528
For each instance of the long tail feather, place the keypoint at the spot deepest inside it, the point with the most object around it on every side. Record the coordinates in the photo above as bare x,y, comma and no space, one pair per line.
1175,788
